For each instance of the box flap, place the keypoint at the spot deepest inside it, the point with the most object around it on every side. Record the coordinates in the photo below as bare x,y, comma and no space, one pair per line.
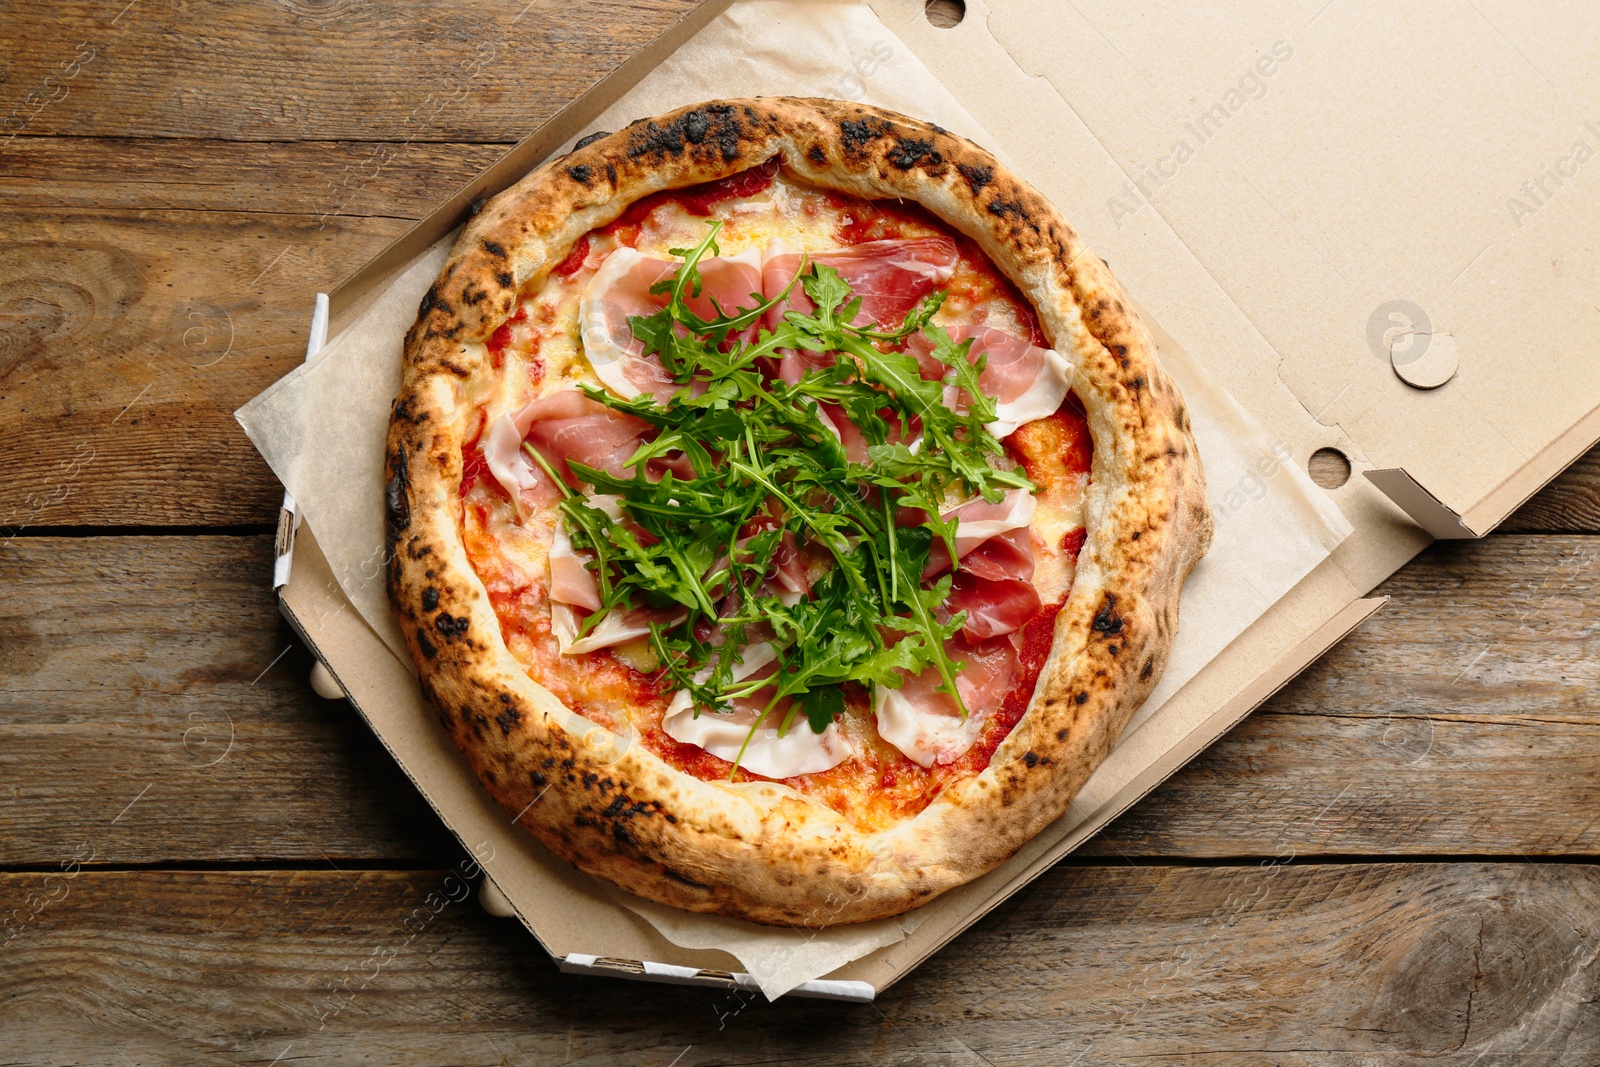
1387,195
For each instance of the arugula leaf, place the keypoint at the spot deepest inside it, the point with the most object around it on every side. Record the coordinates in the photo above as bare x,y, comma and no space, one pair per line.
822,706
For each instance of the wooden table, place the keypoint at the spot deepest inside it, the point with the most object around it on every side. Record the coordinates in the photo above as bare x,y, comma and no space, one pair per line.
201,860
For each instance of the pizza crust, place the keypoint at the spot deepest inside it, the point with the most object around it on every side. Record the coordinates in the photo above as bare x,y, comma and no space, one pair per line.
760,850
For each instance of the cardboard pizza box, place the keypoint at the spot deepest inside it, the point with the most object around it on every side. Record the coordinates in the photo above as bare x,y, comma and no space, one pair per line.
1357,219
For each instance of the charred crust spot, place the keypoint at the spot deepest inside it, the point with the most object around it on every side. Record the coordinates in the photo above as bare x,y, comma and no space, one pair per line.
717,124
589,139
907,153
504,278
1031,759
397,498
494,249
857,135
1106,620
430,300
1137,534
1001,208
425,645
538,780
449,625
1113,649
506,720
978,175
590,779
611,173
1061,734
474,297
1082,698
1149,669
817,155
430,598
581,173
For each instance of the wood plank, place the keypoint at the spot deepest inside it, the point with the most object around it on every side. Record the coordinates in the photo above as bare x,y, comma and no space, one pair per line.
190,273
315,178
1462,714
1288,965
128,338
145,710
1569,504
360,70
1445,726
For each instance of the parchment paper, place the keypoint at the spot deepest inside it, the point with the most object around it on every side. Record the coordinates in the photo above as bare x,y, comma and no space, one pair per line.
322,427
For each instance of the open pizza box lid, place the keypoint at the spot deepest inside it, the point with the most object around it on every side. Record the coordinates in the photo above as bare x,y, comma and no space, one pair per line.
1359,221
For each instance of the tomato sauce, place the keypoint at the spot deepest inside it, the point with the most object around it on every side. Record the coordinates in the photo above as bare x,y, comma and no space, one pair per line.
575,259
1056,449
500,340
698,200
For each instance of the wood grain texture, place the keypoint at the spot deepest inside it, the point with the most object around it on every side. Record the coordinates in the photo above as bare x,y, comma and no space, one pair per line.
128,338
182,288
1569,504
308,178
1456,964
1461,720
313,70
145,711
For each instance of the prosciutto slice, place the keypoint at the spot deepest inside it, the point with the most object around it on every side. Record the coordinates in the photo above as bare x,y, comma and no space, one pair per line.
890,277
993,587
994,607
620,290
926,724
563,426
800,750
617,628
977,521
1027,382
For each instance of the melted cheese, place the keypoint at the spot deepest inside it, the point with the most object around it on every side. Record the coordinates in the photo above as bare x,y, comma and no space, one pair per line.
926,733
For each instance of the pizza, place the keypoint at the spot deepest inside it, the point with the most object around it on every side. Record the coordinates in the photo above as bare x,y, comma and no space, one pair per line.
786,513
